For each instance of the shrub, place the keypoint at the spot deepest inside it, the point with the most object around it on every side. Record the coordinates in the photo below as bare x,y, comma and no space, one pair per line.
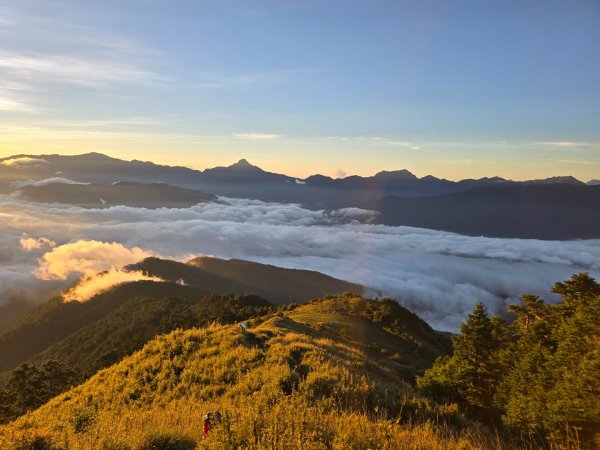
166,441
82,419
38,442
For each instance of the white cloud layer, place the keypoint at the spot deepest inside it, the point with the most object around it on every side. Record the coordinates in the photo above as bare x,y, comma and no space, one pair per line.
86,257
439,275
90,286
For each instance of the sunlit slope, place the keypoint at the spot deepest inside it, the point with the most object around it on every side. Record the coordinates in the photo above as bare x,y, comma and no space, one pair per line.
314,375
379,328
139,320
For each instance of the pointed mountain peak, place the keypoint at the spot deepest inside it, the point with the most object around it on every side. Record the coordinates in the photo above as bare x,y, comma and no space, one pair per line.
243,164
94,155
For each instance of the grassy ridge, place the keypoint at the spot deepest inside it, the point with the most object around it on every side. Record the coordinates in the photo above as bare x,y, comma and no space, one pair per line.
305,377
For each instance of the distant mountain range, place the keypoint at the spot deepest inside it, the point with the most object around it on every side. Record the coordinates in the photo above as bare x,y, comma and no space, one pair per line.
551,208
244,179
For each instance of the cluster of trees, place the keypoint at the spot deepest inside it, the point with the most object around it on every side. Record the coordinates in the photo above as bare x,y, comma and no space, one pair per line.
30,386
537,377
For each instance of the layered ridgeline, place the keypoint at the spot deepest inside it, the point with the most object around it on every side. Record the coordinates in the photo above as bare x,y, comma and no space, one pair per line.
552,208
332,373
192,283
84,337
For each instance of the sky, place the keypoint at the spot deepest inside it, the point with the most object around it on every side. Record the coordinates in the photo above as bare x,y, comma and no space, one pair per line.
456,89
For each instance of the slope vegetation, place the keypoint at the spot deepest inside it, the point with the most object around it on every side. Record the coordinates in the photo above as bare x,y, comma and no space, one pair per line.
56,320
305,377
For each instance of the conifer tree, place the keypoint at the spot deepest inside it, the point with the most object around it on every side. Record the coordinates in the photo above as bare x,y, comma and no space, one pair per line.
471,375
473,349
580,288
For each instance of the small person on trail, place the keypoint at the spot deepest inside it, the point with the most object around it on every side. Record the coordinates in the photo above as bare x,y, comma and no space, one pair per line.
206,425
210,419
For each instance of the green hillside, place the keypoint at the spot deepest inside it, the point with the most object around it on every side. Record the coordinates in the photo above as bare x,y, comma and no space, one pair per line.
56,320
334,373
224,276
305,377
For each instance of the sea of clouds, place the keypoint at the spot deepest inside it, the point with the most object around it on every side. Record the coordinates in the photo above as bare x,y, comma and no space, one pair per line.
437,274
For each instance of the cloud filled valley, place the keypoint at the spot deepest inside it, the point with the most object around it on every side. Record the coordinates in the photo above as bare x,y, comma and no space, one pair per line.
437,274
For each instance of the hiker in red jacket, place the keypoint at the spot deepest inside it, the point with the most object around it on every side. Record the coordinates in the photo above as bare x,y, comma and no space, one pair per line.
206,425
208,420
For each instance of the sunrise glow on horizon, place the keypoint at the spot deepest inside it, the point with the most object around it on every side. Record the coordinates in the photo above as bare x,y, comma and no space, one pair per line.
454,90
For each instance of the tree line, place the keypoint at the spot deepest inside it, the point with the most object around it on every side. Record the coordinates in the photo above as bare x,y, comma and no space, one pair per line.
537,377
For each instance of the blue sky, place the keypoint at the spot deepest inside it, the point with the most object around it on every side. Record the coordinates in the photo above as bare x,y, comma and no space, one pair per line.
451,88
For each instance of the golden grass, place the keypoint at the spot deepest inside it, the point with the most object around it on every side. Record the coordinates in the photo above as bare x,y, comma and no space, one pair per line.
288,384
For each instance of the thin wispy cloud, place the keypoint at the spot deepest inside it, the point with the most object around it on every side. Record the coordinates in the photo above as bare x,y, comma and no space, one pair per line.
23,162
267,78
64,49
9,104
256,136
118,122
575,161
66,69
565,144
374,140
6,17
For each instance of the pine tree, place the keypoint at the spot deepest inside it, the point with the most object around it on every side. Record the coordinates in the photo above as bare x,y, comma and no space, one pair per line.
531,310
580,288
473,348
471,375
